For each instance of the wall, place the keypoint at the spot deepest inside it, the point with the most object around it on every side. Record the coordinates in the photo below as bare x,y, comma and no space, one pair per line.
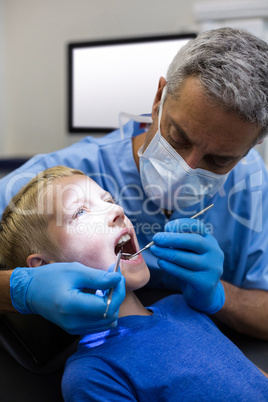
3,95
33,65
36,34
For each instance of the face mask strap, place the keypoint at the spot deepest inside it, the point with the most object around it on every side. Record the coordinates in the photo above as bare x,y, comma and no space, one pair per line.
129,116
163,96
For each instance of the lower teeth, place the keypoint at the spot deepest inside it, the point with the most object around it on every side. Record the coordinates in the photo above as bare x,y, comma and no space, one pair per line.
134,258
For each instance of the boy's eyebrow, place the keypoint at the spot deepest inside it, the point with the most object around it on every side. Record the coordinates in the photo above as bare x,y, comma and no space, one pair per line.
106,194
73,202
84,199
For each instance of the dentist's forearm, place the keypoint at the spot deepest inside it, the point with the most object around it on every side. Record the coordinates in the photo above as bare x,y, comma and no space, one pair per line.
245,310
5,300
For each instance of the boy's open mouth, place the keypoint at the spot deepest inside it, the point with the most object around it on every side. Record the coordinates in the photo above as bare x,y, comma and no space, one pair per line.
126,244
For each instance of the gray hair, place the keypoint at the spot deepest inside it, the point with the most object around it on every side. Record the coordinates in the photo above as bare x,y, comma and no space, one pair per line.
232,66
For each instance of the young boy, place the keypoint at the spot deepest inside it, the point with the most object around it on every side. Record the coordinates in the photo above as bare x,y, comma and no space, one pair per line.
167,352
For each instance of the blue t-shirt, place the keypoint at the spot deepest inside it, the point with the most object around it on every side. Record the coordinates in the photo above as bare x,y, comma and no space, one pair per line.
238,219
176,354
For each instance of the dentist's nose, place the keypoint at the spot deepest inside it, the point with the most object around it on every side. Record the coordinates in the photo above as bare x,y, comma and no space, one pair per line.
115,215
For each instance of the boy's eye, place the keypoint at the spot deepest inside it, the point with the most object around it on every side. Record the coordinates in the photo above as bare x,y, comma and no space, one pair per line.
79,212
110,200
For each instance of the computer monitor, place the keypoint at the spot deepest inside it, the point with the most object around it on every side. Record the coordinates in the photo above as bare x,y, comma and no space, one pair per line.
113,76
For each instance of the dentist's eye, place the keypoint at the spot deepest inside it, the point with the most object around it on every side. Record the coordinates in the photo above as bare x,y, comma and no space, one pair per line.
79,212
177,143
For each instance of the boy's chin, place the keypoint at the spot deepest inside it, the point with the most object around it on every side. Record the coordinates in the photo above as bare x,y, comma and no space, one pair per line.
136,283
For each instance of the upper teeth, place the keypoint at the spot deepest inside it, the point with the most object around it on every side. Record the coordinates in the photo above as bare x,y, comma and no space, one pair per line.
124,239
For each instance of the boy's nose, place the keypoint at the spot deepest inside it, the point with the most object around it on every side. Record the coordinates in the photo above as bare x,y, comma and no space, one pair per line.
115,215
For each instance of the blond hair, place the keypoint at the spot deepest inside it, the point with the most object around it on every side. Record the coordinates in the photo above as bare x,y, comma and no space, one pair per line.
23,227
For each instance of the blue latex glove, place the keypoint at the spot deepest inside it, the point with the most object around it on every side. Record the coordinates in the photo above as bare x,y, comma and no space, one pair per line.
189,252
54,291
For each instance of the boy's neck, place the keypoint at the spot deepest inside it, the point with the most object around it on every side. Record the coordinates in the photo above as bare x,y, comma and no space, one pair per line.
132,306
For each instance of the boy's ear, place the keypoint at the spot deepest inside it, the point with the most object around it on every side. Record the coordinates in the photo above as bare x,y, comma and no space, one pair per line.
36,260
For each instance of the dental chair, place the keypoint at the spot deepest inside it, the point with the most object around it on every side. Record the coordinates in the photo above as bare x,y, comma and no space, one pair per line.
33,352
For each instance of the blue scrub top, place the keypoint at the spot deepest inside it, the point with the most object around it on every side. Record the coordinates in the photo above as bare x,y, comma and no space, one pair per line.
238,219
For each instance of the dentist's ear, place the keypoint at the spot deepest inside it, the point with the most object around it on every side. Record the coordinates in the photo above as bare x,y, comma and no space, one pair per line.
157,99
36,260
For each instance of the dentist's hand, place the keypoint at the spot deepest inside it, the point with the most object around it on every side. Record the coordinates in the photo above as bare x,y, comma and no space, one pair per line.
189,252
54,291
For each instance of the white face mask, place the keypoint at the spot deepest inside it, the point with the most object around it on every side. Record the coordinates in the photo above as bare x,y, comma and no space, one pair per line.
167,179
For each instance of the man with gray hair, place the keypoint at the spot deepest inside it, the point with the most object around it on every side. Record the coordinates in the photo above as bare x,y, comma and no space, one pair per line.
207,115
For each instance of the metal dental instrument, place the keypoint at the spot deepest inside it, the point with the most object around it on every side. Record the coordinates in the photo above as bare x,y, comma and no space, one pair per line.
202,211
151,243
111,291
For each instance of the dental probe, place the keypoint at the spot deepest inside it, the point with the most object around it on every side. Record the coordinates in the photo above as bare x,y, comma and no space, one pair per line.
111,291
151,243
